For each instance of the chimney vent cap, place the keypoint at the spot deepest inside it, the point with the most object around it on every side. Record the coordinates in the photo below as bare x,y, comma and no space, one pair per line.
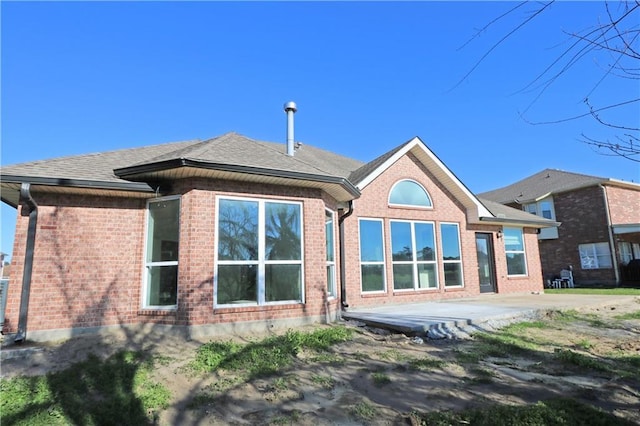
290,106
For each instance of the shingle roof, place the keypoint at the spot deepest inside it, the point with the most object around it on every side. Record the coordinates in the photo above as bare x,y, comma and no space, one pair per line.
359,174
232,148
501,211
118,167
548,181
94,167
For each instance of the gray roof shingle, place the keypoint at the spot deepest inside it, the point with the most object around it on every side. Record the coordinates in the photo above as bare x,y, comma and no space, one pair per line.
548,181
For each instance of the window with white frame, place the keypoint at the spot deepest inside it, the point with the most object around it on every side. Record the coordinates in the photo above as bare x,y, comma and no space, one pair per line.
626,254
329,230
595,256
451,254
161,253
413,255
514,250
545,209
372,268
259,252
409,193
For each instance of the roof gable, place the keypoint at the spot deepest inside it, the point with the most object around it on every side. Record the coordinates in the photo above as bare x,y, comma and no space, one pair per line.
369,172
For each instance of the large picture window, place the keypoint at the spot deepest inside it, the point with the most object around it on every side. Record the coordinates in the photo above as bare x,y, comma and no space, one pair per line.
451,254
595,256
259,252
414,255
514,249
371,255
161,257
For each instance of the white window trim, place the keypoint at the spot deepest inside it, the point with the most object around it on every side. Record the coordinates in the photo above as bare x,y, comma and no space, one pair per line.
261,261
147,265
332,294
523,251
383,262
594,253
626,252
415,262
411,206
444,282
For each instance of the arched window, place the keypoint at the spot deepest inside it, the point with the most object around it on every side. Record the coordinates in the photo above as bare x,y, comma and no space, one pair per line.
409,193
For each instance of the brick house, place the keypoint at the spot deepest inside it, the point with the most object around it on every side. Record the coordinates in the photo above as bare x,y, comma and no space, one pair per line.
599,233
234,234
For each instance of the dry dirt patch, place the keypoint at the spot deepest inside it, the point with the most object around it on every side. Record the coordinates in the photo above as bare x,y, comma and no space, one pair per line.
380,379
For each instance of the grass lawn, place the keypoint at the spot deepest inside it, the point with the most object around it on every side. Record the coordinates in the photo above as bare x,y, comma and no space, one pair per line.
280,371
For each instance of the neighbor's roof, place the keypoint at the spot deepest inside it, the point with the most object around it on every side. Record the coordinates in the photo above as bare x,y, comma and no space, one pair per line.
548,182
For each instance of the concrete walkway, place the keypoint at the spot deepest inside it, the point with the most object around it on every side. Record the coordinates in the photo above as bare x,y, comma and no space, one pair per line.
462,317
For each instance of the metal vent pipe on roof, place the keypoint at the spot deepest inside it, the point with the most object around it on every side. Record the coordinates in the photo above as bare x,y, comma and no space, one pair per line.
290,108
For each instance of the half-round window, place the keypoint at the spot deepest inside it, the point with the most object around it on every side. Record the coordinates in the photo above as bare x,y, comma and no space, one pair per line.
409,193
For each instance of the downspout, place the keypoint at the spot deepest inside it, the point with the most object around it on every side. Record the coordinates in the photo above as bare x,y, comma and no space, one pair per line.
343,273
611,240
25,195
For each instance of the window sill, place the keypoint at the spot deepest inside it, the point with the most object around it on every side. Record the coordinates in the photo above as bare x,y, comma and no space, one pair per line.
157,312
454,289
373,294
517,277
415,291
229,309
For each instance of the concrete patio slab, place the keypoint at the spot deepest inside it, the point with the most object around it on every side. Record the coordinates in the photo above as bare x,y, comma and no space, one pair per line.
462,317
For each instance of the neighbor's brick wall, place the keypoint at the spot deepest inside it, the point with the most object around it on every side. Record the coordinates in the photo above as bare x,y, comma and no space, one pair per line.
87,263
373,204
624,205
583,216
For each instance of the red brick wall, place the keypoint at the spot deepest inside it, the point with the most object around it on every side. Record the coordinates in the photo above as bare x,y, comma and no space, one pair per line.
374,204
88,262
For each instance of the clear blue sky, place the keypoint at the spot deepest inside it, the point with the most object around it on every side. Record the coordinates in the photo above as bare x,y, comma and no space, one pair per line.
88,77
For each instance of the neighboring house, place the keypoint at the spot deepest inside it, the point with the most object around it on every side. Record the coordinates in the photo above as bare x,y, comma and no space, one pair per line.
599,234
234,234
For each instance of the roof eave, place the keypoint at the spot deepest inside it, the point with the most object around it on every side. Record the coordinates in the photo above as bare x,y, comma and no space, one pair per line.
137,172
512,221
77,183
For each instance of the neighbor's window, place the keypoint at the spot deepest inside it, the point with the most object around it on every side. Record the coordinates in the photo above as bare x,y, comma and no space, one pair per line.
451,254
329,231
626,255
259,252
545,209
514,249
161,257
414,255
595,256
371,255
409,193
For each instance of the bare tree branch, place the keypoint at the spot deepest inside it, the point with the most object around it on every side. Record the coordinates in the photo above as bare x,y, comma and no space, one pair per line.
586,114
522,24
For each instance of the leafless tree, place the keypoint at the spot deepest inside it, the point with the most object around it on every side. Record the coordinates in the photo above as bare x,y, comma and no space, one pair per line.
618,37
